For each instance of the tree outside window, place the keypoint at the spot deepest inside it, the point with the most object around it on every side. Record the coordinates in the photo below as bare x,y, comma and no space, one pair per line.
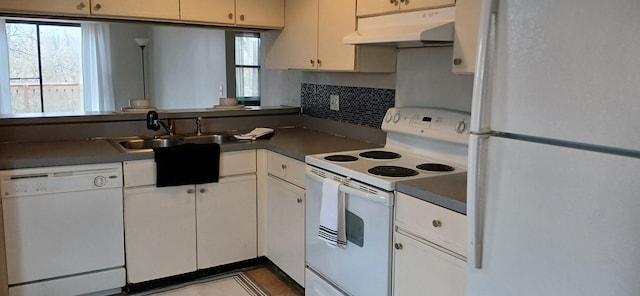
45,65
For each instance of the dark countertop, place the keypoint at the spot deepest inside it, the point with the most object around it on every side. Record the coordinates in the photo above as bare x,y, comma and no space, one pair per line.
292,142
447,191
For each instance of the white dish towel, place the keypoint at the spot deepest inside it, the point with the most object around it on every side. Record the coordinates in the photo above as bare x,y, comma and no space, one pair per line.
332,227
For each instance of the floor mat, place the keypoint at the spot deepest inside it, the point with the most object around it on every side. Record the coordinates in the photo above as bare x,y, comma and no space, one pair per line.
234,284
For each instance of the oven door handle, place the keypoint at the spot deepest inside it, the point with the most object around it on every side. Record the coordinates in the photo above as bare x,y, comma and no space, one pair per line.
355,192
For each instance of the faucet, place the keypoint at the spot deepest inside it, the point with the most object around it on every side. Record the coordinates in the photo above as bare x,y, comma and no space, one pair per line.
199,126
153,123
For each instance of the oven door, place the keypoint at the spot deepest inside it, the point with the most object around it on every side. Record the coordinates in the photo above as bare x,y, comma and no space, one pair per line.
363,267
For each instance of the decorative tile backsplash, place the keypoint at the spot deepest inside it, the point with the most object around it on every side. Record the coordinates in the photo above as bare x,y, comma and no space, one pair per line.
358,105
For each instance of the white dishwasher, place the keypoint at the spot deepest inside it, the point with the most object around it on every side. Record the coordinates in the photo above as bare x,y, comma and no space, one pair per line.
63,229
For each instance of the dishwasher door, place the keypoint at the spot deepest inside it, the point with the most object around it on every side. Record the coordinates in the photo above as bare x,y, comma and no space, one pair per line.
62,222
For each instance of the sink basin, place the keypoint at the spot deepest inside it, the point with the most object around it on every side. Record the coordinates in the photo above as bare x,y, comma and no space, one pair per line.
149,143
136,144
207,139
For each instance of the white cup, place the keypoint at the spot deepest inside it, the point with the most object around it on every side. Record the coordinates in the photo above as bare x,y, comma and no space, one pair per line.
228,101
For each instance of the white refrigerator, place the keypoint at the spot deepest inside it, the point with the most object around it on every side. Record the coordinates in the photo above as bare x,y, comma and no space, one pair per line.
554,165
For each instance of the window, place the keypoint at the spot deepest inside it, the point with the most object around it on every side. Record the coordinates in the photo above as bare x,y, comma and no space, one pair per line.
247,64
45,66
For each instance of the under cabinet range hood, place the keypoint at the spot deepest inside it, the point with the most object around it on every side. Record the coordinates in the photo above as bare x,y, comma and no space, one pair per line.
432,27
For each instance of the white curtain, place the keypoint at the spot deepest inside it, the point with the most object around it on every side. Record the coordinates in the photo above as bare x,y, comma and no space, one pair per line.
96,68
5,91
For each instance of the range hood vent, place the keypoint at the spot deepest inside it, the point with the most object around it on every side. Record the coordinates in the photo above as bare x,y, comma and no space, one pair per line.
432,27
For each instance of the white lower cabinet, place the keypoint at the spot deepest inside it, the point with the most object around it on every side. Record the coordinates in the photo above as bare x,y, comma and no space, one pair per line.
285,227
226,221
160,232
179,229
428,249
422,269
284,214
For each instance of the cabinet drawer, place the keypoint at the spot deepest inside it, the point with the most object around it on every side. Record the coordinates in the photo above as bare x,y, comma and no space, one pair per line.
286,168
433,223
143,172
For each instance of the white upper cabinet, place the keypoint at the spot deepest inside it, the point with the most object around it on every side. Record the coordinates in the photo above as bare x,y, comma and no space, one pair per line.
63,7
246,13
209,11
260,13
313,40
374,7
465,38
147,9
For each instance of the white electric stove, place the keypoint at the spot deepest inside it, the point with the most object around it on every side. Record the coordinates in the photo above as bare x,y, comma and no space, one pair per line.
421,143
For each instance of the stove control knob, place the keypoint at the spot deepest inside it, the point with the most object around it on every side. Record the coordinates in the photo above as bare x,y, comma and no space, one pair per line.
396,118
99,181
461,127
388,117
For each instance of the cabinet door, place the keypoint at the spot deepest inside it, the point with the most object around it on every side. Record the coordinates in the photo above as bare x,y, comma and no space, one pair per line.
260,13
153,9
67,7
425,4
160,232
336,19
420,268
226,219
296,46
285,227
465,38
372,7
208,11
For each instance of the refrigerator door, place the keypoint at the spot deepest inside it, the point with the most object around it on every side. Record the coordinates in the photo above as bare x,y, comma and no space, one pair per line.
564,70
558,221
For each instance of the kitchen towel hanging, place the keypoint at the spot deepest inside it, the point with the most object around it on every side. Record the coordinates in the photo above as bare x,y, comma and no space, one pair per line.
187,164
332,227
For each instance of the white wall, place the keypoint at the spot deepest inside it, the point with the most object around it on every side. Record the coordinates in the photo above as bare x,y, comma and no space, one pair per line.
126,62
187,66
423,78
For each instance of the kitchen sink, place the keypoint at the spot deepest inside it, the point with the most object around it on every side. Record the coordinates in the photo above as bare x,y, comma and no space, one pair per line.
149,143
141,144
206,139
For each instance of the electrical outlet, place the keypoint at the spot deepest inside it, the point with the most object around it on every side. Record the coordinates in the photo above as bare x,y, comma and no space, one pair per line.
335,102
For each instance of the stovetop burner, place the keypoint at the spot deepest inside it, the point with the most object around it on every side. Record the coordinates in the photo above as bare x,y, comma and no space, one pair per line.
379,154
392,171
435,167
341,158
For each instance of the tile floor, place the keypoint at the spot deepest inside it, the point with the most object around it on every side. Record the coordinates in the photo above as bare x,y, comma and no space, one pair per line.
271,279
274,281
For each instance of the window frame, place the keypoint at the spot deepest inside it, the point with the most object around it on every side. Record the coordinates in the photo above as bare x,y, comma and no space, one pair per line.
230,40
39,23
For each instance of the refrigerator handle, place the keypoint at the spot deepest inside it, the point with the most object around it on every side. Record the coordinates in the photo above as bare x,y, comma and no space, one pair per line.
486,33
476,197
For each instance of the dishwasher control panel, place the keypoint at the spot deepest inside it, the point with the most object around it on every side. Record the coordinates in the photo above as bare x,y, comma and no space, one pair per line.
36,181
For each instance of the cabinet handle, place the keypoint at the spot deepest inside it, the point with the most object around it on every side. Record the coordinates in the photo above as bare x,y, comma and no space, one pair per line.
202,190
242,17
313,63
81,6
398,246
190,191
319,63
230,16
299,200
457,61
436,223
284,166
97,7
